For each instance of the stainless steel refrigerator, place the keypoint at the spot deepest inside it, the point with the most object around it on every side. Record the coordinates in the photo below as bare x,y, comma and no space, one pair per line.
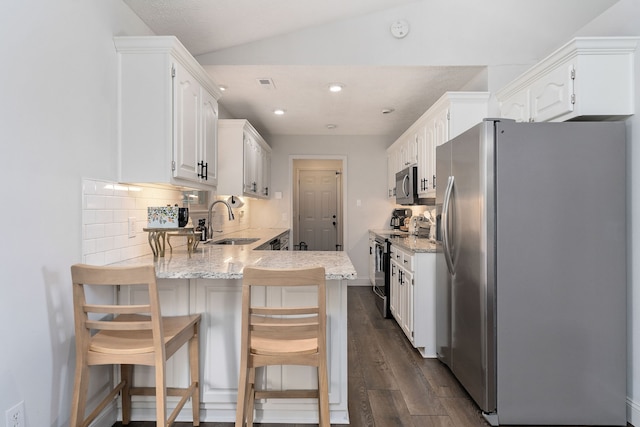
531,270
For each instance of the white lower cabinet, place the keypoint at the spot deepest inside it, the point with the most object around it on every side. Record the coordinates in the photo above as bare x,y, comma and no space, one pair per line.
412,300
219,302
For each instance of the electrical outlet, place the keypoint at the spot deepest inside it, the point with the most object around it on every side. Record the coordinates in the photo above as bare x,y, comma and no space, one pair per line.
15,416
132,226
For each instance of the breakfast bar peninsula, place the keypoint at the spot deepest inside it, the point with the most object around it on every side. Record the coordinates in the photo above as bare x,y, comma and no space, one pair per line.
209,282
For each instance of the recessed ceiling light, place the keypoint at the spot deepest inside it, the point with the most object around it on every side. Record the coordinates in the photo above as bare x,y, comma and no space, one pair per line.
388,110
278,111
222,88
331,126
336,87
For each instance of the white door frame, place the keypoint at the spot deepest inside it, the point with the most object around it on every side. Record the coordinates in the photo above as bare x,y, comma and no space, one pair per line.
343,201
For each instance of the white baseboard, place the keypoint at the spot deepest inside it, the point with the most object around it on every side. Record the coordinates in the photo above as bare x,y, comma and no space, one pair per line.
358,282
107,417
633,412
229,416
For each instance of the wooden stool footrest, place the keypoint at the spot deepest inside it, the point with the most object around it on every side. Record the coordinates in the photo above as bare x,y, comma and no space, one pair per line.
103,403
187,394
284,394
171,391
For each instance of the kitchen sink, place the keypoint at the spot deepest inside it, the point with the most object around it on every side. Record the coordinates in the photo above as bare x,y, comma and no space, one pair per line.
232,241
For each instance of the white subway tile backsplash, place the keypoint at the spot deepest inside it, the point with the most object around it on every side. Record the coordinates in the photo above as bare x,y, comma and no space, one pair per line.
112,256
94,202
104,216
129,203
112,229
88,187
88,217
94,259
114,202
121,241
121,215
105,244
107,207
88,246
93,231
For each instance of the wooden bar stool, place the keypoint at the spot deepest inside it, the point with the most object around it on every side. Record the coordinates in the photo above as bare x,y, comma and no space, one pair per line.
128,335
282,336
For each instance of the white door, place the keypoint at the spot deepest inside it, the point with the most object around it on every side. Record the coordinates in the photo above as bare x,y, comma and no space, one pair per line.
318,209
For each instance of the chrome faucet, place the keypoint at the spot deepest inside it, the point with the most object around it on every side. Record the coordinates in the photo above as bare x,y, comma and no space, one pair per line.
231,217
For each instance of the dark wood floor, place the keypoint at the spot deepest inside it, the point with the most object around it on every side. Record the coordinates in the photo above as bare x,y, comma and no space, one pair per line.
390,384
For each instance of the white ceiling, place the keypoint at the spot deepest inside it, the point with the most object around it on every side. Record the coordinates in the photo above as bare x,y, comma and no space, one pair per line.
206,26
209,25
303,92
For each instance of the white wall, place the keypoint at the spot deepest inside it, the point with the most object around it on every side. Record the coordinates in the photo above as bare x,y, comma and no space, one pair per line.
366,180
57,115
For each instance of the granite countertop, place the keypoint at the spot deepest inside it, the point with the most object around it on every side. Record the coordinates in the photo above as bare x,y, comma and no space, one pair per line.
407,241
227,261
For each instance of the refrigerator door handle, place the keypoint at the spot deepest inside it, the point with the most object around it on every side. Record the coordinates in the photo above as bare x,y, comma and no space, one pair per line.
445,224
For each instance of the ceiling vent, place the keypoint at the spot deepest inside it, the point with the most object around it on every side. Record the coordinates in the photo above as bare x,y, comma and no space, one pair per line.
266,83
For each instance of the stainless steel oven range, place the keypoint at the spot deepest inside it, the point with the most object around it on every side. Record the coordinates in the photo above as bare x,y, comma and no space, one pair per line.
382,279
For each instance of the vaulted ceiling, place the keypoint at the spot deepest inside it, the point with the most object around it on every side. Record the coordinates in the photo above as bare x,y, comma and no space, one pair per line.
303,45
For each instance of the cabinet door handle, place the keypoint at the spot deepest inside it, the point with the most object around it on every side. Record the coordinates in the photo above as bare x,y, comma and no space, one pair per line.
433,182
203,170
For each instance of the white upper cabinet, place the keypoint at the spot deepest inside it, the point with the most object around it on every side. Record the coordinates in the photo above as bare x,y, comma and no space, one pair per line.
167,114
589,77
392,168
448,117
245,160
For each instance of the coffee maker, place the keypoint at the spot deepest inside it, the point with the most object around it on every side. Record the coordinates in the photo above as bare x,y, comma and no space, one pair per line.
398,216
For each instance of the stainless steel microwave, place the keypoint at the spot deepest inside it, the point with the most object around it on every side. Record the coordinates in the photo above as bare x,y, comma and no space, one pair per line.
407,186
